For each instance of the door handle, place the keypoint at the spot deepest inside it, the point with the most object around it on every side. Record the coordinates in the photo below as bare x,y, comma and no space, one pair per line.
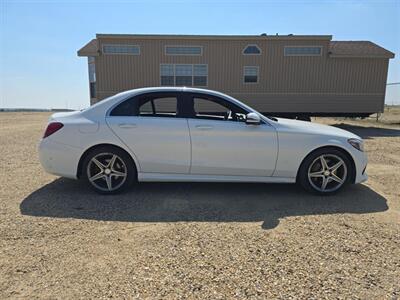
204,127
125,125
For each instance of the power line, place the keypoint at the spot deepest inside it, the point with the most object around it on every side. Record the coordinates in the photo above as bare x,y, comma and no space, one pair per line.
392,83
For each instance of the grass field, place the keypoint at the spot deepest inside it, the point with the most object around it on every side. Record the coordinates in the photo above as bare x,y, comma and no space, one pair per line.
60,240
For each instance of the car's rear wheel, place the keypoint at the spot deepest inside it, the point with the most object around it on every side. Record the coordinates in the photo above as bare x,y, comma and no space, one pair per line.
109,170
325,171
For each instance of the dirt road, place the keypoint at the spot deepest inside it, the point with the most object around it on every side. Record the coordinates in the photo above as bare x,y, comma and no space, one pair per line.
60,240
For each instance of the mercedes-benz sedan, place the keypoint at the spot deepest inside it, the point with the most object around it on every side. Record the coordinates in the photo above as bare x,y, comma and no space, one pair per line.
188,134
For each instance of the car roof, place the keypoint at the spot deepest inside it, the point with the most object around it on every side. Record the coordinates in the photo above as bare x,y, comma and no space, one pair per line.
108,103
169,89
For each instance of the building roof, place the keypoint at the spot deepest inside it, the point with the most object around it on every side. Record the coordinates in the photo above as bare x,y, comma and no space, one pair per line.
90,49
357,49
217,37
336,48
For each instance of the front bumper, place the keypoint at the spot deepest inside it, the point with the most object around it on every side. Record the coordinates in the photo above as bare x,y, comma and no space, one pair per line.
58,158
360,161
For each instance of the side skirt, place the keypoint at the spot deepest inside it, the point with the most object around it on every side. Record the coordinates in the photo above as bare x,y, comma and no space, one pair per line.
162,177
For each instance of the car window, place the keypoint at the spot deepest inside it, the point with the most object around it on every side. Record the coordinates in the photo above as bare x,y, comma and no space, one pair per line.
151,105
163,106
146,109
207,109
216,109
125,108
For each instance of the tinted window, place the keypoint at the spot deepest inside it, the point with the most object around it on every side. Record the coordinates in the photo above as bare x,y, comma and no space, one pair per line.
205,108
162,106
151,104
126,108
146,109
208,107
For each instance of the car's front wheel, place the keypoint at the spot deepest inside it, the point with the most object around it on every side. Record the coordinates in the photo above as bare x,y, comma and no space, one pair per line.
325,171
109,170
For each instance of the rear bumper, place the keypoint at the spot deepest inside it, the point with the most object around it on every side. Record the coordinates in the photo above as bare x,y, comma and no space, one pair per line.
59,159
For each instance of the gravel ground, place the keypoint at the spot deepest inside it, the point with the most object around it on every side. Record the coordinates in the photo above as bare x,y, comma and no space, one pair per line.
60,240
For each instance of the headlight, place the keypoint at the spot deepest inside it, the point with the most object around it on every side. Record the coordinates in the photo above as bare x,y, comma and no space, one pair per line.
356,143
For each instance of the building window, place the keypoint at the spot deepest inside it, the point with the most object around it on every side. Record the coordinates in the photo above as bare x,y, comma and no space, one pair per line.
121,49
92,76
251,50
167,75
92,86
183,75
250,74
92,72
303,51
183,50
200,73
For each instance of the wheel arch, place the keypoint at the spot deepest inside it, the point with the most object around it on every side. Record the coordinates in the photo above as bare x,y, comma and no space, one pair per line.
338,148
87,151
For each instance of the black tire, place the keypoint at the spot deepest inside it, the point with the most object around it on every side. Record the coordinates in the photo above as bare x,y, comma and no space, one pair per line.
124,163
311,184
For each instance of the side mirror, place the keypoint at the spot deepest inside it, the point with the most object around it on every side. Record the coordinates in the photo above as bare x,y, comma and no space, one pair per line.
253,119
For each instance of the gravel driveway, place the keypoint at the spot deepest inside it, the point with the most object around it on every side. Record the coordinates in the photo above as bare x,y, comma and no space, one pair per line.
214,241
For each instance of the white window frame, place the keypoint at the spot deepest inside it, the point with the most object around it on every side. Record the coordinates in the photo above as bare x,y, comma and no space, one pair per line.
122,45
174,67
252,53
188,46
304,46
258,74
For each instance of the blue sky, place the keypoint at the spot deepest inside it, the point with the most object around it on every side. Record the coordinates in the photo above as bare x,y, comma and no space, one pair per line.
39,39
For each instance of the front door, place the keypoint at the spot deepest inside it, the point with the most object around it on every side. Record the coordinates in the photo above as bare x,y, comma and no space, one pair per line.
223,144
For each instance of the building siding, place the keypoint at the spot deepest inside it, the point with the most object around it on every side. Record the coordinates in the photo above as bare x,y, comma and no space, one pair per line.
286,83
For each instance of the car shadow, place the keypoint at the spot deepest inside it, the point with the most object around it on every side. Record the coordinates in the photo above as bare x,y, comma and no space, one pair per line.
369,132
199,202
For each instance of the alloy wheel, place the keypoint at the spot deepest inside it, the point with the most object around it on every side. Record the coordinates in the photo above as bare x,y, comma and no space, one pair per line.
106,171
327,173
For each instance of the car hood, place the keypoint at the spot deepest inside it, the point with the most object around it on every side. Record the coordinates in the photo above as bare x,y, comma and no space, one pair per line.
312,128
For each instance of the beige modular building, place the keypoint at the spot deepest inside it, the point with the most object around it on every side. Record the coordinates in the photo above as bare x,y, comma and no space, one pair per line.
289,75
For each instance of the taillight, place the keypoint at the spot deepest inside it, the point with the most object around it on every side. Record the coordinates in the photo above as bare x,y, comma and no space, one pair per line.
52,127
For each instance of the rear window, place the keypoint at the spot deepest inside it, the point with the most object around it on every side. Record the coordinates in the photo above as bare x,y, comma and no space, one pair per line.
126,108
148,105
163,106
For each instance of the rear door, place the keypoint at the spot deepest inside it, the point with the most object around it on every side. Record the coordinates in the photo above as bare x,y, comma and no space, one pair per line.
222,142
152,127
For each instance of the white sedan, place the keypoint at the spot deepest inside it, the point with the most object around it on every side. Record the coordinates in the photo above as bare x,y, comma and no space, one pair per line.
188,134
